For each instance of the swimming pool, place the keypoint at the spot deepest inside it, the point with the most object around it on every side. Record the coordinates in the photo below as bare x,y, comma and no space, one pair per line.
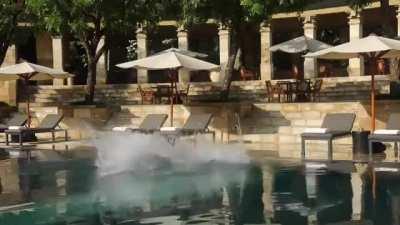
268,192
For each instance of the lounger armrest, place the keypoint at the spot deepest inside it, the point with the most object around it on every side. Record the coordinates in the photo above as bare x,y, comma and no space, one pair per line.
323,136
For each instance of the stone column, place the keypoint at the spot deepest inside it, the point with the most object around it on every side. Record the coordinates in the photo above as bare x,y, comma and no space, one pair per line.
224,51
224,44
266,66
101,67
394,63
10,87
142,51
11,56
58,57
356,65
398,20
183,43
310,64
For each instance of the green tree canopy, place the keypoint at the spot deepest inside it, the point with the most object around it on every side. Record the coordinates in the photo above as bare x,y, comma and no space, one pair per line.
91,20
10,13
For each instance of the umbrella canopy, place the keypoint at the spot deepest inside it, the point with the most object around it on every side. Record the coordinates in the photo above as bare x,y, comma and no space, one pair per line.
28,71
169,60
300,44
184,52
372,47
31,71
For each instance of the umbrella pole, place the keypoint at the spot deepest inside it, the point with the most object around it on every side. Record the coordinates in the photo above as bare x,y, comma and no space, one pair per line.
28,111
372,103
172,100
172,108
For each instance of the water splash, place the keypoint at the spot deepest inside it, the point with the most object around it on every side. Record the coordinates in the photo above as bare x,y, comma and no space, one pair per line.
120,152
145,168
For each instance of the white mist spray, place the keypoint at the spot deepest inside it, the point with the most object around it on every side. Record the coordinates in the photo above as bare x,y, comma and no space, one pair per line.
147,169
119,152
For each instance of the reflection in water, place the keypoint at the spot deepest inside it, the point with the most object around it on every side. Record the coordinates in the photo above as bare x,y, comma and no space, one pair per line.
70,192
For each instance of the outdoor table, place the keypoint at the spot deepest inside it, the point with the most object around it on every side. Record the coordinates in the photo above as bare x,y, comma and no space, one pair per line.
303,95
163,91
285,88
290,87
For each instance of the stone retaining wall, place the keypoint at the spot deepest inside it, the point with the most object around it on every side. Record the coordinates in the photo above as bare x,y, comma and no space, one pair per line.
264,126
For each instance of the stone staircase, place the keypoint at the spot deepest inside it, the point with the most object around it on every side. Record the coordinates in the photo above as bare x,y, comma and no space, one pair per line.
333,89
65,95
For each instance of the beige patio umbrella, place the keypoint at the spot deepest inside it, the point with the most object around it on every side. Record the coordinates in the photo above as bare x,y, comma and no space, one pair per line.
299,45
184,52
28,71
171,60
372,47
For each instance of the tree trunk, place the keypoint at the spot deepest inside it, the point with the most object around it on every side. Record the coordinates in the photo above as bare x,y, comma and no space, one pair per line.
91,79
230,67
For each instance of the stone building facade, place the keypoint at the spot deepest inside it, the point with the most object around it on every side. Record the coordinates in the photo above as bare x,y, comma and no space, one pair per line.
318,21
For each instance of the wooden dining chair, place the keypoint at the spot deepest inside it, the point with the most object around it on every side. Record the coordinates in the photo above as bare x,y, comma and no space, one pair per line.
303,90
291,92
184,93
164,92
272,91
316,90
147,96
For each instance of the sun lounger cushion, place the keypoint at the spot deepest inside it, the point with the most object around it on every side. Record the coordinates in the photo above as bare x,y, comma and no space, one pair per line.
153,122
328,135
393,122
198,122
168,129
316,130
15,127
16,120
120,129
50,121
388,132
339,122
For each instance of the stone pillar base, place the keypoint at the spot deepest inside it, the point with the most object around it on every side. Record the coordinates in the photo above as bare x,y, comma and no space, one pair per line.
310,31
141,39
310,68
12,92
142,76
58,82
70,81
266,55
11,56
184,76
356,67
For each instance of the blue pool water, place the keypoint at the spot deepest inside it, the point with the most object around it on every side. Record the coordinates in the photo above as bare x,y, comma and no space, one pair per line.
267,192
